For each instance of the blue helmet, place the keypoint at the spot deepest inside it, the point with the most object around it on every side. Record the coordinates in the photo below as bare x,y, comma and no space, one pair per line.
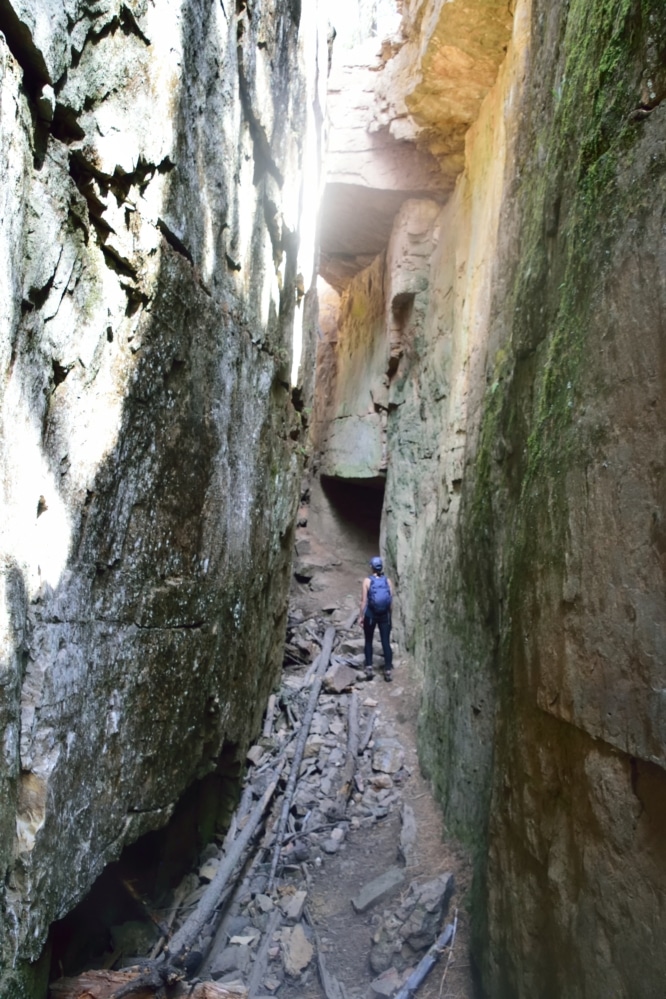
377,564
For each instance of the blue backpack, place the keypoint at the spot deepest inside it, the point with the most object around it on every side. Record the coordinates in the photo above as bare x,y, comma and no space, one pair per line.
379,595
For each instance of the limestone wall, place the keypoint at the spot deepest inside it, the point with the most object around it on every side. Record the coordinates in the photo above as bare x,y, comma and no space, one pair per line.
541,726
152,161
523,506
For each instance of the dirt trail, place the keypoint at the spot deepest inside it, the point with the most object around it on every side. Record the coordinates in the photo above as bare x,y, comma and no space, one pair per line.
331,594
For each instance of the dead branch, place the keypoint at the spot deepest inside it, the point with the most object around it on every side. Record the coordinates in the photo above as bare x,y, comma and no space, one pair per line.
261,960
107,984
426,964
314,636
349,769
449,955
322,661
186,936
268,720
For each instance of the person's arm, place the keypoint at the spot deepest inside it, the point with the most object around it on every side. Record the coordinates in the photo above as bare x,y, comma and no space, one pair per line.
364,599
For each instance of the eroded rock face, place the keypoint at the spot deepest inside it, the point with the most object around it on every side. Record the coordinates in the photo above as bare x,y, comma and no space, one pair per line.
369,172
524,500
152,175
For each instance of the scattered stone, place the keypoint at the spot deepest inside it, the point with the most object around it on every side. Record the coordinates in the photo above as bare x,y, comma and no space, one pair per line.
387,984
381,780
388,756
233,958
244,941
378,888
210,852
254,755
338,834
313,746
264,903
304,571
300,852
339,678
330,846
370,702
208,871
293,905
413,926
351,646
297,951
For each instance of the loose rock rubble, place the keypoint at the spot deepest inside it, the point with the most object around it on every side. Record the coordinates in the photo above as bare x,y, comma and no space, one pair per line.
262,936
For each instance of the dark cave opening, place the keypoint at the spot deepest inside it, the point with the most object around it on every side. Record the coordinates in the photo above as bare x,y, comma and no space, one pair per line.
348,514
126,910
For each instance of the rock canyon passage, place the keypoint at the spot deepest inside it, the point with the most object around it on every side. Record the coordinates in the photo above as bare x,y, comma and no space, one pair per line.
286,285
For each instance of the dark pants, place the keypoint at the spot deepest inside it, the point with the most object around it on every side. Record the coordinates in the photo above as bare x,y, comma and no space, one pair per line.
383,622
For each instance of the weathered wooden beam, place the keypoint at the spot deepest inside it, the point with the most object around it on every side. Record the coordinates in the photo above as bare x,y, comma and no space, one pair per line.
268,720
323,660
349,769
107,984
188,933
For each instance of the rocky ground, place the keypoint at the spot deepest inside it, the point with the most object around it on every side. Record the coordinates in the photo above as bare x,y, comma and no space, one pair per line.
364,880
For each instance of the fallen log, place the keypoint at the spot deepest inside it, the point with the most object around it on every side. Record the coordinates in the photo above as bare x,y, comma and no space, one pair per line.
426,964
239,890
110,984
349,769
322,664
185,938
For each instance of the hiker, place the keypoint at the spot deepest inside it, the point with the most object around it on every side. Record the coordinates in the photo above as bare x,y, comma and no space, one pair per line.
376,600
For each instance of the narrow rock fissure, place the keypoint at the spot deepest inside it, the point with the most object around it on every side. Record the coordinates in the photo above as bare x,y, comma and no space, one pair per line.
346,883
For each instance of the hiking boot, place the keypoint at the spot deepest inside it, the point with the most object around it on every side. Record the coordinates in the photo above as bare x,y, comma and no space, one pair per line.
369,672
388,675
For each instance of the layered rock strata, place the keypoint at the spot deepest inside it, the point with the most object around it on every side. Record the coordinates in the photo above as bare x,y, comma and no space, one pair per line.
523,494
152,182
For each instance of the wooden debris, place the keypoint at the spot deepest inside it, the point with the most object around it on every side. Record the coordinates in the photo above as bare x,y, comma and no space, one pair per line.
349,769
188,933
108,984
323,740
268,720
220,939
426,964
323,659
